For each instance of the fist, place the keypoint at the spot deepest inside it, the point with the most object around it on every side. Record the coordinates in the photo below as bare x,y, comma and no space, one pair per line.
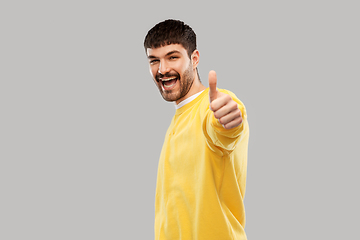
225,109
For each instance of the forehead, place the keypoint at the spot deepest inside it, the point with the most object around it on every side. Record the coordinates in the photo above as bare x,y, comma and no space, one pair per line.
162,51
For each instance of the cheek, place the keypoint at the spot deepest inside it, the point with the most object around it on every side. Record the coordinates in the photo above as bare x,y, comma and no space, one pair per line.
178,69
185,66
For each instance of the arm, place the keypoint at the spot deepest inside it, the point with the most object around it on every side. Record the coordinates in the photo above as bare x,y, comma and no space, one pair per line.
225,121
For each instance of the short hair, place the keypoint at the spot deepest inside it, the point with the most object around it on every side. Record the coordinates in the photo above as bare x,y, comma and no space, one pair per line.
171,32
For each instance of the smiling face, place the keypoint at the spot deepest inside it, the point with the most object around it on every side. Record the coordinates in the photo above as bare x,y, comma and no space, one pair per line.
173,71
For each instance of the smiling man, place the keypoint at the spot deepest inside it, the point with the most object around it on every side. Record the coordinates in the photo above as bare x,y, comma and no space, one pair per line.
202,167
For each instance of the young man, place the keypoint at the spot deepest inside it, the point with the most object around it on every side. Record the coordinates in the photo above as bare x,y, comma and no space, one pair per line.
202,168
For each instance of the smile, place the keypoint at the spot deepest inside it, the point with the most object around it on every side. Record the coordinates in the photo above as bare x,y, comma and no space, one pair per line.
168,83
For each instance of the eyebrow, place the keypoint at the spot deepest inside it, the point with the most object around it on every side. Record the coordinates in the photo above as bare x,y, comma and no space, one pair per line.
168,54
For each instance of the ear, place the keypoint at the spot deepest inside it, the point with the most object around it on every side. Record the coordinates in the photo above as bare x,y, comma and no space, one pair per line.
195,57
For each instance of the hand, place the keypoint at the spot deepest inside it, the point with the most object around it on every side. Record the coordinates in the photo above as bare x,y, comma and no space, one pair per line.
225,109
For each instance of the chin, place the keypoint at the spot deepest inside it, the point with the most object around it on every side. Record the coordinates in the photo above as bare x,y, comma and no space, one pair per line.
169,99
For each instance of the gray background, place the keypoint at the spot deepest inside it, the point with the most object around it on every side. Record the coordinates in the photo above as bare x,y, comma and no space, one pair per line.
82,124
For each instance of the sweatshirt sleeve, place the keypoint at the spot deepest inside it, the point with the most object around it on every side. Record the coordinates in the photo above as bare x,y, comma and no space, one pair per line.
218,138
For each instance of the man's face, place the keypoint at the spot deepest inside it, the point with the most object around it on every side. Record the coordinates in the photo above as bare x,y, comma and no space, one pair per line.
172,70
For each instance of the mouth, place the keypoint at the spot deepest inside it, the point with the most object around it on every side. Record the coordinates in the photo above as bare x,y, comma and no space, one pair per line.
168,83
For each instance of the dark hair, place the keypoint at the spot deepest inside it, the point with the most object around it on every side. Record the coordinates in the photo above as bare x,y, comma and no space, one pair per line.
171,32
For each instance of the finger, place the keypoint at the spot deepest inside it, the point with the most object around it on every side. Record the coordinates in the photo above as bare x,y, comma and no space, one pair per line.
212,85
221,100
231,117
234,123
225,109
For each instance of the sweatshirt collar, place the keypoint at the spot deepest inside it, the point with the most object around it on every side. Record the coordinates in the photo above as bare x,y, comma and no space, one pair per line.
192,102
188,100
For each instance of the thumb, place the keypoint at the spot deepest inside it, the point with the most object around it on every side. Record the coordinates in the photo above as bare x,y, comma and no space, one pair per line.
212,85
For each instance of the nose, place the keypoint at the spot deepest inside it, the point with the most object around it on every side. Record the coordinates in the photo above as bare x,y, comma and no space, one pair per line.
163,68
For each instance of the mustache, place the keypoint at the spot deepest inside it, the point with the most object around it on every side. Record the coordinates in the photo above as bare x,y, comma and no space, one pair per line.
167,75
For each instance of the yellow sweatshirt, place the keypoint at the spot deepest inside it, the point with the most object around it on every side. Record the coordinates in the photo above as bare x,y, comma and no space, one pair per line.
202,176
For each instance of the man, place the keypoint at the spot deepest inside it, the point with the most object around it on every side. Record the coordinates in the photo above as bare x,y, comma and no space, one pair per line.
202,167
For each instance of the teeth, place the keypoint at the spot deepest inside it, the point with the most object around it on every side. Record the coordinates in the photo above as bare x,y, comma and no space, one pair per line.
168,79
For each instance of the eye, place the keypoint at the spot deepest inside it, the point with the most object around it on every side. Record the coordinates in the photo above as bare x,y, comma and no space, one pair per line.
173,57
154,61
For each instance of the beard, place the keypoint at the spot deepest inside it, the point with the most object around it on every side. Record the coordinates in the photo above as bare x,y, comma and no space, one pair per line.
185,83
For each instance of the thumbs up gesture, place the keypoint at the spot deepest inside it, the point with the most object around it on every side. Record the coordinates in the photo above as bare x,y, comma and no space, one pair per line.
224,107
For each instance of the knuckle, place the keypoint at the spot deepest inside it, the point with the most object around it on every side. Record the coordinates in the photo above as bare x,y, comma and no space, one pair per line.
214,105
235,105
